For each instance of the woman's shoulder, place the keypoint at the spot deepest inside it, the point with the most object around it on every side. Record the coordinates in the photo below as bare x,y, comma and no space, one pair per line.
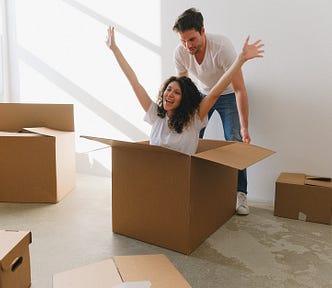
197,123
151,113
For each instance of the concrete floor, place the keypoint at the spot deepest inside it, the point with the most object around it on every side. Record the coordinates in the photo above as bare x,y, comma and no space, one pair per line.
258,250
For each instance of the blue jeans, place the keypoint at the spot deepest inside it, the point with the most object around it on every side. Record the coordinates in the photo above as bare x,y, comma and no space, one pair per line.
227,109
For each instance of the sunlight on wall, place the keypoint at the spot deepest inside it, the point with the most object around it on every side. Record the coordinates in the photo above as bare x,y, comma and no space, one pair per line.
128,13
64,59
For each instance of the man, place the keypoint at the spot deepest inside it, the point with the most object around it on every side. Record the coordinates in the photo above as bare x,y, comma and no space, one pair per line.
205,57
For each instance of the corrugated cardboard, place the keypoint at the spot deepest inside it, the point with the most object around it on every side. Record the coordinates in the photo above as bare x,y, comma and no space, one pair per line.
121,269
15,116
303,197
37,152
15,259
171,199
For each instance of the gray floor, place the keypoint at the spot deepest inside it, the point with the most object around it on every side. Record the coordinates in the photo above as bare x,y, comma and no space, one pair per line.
258,250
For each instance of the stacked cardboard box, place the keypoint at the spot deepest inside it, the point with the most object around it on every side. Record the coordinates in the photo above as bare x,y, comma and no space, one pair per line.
15,259
37,152
171,199
303,197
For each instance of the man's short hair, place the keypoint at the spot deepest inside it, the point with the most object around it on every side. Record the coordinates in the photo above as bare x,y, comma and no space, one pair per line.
189,19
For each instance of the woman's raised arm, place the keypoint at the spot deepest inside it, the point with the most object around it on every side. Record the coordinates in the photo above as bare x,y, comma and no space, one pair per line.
138,89
249,51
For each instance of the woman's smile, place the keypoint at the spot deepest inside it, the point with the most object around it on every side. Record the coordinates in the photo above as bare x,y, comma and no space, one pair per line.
172,96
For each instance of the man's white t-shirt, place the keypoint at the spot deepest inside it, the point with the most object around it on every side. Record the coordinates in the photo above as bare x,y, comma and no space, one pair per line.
219,56
161,135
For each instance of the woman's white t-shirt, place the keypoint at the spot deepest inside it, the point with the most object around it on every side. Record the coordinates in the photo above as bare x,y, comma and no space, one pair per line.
161,135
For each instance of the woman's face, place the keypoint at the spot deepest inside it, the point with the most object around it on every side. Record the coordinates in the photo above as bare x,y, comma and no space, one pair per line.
172,97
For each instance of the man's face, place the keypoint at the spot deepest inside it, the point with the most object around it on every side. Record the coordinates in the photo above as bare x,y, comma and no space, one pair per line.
192,40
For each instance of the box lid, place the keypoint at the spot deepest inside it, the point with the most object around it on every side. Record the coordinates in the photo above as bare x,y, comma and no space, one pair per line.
303,179
15,116
318,181
291,178
9,239
102,274
45,131
156,269
237,155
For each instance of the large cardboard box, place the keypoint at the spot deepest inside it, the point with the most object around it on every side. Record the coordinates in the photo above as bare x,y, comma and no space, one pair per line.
303,197
171,199
15,259
142,269
37,152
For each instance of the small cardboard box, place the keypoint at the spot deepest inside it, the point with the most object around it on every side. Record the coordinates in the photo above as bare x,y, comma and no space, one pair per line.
303,197
156,269
171,199
15,259
37,152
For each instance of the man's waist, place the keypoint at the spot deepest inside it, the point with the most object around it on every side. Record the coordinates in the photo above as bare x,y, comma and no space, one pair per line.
229,94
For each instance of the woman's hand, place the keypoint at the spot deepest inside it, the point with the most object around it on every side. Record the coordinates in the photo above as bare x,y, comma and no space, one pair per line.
110,39
250,51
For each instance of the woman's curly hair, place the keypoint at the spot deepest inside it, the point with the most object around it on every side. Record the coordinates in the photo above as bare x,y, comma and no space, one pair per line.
191,98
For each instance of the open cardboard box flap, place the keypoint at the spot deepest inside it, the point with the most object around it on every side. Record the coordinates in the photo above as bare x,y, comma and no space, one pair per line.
45,131
233,154
137,145
318,181
237,155
303,179
15,116
101,274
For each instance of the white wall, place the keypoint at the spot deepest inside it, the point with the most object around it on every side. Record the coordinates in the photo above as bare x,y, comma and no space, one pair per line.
290,90
61,57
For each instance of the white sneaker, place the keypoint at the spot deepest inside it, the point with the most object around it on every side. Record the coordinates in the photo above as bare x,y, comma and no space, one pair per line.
242,205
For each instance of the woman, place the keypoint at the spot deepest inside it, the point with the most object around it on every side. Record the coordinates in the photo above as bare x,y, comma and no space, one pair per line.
180,112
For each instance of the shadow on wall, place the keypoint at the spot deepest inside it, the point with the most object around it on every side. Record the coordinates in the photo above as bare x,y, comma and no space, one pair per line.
87,162
97,162
80,95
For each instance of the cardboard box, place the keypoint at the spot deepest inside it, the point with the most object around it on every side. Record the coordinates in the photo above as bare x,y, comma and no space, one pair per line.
37,152
156,269
171,199
15,259
303,197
